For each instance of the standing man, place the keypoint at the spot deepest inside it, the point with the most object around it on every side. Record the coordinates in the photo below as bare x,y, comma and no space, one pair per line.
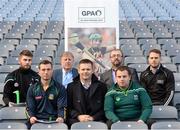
18,81
67,73
86,95
46,100
116,57
158,80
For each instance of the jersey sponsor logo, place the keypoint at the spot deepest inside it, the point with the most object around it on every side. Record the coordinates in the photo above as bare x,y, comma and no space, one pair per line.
16,84
118,99
51,96
38,97
160,81
135,97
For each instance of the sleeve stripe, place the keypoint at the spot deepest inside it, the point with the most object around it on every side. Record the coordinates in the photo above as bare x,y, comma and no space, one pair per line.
169,99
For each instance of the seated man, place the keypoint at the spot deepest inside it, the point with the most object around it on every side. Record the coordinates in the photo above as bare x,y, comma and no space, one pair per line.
18,81
85,96
116,57
46,100
127,100
65,74
157,80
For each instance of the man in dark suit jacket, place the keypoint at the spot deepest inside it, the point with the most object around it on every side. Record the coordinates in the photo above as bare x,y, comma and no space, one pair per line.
108,77
66,74
85,96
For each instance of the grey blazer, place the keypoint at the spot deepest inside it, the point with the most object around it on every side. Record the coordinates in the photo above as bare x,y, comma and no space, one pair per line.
107,78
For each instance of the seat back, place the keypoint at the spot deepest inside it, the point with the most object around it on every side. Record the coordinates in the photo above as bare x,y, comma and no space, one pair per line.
13,126
165,125
164,113
53,126
132,125
9,114
89,125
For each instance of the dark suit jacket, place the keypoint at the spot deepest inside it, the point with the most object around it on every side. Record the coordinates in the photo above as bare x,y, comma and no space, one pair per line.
57,74
107,77
77,104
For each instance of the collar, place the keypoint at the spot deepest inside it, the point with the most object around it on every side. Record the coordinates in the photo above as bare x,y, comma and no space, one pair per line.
25,71
155,70
65,71
93,79
117,87
51,83
86,85
113,76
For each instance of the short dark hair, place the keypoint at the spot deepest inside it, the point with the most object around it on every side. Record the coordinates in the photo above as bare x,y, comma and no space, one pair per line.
86,61
26,53
45,62
155,51
122,68
115,49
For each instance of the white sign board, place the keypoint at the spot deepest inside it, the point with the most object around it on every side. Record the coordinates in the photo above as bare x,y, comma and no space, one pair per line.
92,29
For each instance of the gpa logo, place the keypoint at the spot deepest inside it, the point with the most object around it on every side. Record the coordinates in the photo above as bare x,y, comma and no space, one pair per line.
91,14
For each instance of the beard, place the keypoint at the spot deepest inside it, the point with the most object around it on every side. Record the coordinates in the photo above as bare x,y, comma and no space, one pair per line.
116,63
155,66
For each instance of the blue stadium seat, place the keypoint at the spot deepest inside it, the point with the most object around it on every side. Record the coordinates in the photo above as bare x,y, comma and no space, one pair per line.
164,113
54,126
37,59
135,60
8,68
165,126
125,125
13,126
13,114
2,77
92,125
139,67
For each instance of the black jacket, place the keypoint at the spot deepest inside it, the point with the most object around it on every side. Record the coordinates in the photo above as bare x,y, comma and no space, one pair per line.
160,86
21,80
92,105
45,104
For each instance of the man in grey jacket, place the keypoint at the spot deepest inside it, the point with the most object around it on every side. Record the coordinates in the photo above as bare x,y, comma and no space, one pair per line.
116,58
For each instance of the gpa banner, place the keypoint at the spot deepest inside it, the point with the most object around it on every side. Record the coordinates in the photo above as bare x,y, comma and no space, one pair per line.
92,30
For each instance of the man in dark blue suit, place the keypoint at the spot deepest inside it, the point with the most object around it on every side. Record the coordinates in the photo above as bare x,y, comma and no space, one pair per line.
65,74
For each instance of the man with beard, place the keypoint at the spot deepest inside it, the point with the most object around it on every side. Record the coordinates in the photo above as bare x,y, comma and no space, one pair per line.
66,74
18,81
116,58
158,80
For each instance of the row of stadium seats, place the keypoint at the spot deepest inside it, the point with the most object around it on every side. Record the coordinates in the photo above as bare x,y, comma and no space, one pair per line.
10,115
168,125
146,10
32,10
53,10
